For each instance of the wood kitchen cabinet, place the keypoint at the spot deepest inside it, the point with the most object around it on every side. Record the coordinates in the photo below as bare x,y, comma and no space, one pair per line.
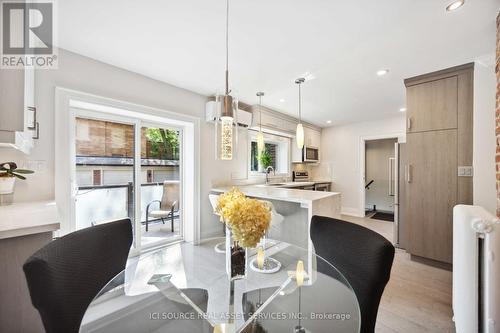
431,193
438,150
432,105
11,100
17,118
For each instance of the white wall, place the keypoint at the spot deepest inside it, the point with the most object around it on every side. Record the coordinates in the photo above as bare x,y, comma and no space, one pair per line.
87,75
484,135
341,149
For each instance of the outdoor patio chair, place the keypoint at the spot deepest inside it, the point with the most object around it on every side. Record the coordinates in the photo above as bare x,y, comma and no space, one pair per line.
168,205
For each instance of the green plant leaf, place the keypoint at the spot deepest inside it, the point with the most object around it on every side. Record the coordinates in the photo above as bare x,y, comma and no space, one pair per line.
24,171
19,176
265,159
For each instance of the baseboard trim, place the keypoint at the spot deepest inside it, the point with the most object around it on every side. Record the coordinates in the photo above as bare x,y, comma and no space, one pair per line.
432,262
352,212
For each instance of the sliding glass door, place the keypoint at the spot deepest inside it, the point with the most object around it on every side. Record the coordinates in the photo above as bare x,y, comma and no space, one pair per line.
104,171
125,167
160,185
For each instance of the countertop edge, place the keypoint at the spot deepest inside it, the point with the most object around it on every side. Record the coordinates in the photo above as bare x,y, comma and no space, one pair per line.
271,197
29,230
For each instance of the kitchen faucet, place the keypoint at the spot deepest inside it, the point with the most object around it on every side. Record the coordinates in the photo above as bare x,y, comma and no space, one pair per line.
268,170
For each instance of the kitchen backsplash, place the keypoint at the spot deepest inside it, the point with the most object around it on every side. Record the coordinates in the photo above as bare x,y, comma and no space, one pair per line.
321,171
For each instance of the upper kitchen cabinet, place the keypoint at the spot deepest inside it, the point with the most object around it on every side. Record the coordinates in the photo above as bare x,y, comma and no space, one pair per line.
18,125
272,121
11,100
312,137
433,104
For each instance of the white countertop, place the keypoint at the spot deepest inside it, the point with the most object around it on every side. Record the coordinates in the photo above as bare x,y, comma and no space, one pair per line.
297,183
279,193
27,218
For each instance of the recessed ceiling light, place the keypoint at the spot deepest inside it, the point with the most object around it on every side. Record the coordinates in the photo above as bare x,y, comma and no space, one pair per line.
402,110
455,5
328,121
382,72
282,100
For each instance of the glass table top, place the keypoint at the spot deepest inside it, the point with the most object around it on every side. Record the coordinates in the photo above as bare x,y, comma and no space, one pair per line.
185,288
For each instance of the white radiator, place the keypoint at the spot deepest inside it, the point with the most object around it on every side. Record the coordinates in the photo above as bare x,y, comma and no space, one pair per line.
476,270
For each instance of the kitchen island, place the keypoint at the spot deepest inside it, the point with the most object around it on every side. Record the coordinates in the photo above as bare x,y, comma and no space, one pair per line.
296,207
24,228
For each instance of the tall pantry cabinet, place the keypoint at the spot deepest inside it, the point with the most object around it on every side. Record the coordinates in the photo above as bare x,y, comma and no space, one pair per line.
438,165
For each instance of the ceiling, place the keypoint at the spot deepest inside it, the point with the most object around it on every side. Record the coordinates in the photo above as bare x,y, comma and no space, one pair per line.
341,43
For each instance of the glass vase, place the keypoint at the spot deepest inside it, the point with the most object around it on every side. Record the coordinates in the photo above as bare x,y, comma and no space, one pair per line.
236,258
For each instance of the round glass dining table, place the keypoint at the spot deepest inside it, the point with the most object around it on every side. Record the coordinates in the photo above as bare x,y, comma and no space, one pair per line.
185,288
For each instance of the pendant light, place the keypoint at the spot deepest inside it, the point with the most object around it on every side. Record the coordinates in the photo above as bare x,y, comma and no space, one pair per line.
260,135
226,122
299,134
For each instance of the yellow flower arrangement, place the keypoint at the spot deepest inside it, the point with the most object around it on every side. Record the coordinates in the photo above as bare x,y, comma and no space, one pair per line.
247,218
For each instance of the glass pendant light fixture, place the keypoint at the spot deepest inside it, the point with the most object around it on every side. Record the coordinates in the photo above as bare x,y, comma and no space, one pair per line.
260,135
226,122
299,134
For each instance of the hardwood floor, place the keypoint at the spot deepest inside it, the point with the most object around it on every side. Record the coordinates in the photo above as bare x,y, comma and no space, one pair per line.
417,297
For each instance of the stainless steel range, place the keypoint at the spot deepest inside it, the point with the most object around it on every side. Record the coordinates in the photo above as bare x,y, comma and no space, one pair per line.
300,176
303,176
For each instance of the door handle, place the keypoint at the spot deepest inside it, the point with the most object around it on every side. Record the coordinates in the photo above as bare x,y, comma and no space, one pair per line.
408,123
391,177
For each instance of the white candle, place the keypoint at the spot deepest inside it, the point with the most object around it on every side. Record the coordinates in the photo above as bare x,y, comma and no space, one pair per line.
260,257
299,274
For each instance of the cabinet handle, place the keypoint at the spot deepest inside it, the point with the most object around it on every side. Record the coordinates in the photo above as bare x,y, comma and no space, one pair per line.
37,129
408,173
408,123
33,109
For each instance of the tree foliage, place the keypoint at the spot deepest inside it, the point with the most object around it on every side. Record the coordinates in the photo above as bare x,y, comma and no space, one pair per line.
164,143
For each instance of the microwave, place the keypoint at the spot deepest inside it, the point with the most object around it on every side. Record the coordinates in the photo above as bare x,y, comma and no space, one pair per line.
310,154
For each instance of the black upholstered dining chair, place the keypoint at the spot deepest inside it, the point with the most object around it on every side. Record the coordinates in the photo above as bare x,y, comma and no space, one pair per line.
363,256
64,276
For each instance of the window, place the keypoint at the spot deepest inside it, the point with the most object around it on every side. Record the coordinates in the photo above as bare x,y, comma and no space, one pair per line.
276,154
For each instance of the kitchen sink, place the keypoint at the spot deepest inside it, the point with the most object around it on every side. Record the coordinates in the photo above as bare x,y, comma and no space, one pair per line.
271,185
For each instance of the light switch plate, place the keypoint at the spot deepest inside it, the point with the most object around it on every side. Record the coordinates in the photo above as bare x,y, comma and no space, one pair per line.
465,171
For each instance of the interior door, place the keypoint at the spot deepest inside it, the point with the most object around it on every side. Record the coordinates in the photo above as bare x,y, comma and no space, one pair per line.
432,105
431,193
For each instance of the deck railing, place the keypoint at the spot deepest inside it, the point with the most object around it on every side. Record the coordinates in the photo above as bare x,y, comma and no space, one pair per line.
97,203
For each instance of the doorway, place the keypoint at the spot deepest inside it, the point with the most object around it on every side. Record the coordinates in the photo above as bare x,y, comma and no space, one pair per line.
108,176
380,179
126,160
